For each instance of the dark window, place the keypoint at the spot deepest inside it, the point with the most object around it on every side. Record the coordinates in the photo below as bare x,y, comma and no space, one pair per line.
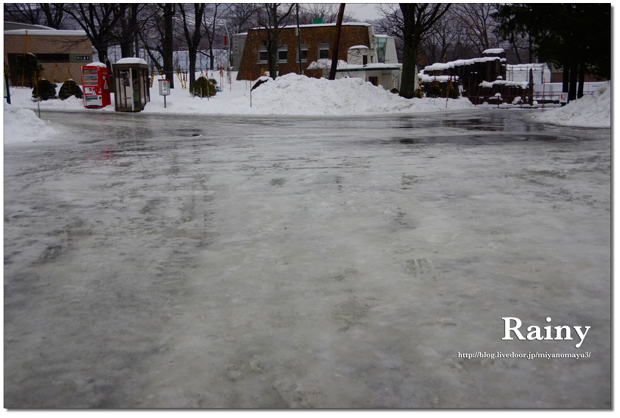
262,55
323,51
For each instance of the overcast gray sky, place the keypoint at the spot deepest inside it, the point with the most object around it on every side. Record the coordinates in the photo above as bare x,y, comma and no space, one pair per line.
362,11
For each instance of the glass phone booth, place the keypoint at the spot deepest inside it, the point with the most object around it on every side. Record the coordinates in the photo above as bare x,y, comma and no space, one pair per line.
131,82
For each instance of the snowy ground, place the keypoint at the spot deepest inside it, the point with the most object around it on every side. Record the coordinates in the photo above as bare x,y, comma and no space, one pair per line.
199,261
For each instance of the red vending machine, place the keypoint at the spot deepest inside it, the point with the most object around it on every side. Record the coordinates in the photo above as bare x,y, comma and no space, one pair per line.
96,85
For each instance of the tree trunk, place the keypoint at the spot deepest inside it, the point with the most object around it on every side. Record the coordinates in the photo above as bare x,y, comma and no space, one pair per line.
407,85
514,46
272,50
336,47
582,77
127,49
192,65
272,46
167,43
102,52
572,88
565,78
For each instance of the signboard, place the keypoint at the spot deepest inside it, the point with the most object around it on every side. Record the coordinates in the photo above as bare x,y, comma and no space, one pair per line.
164,87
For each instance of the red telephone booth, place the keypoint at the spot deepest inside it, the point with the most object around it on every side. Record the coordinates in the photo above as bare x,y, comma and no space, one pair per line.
96,85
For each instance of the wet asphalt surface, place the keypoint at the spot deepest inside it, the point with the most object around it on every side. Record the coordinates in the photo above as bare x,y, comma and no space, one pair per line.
261,262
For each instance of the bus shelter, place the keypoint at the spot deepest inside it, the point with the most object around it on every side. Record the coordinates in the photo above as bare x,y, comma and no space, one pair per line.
131,82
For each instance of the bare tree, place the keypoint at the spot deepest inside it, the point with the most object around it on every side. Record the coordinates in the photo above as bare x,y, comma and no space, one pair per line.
46,14
417,19
447,40
191,19
99,21
210,24
272,21
157,36
326,11
242,16
478,23
128,28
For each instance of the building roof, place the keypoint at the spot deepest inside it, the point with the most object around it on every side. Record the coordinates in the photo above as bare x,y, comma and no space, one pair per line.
17,25
315,25
45,32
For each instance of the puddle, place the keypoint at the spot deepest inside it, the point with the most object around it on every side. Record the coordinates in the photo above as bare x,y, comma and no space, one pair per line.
478,139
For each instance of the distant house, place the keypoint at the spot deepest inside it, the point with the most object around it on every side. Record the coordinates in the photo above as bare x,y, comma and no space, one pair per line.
61,52
364,54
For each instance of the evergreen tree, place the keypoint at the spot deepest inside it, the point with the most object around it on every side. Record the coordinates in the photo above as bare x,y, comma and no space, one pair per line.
573,36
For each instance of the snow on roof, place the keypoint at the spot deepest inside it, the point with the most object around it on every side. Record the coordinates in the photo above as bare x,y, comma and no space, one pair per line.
494,51
45,32
423,78
96,64
359,47
316,25
131,60
489,84
370,67
28,26
439,66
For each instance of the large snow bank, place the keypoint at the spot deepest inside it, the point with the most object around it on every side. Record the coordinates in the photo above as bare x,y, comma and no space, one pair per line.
23,125
293,94
590,111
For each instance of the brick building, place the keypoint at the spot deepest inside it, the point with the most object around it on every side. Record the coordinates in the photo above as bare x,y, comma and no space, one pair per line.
61,52
250,55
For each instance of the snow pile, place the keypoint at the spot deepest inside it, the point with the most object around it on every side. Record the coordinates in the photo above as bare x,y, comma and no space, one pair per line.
290,94
589,111
23,125
293,94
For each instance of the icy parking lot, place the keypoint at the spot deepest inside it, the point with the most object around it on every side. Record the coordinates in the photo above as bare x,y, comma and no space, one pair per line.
352,262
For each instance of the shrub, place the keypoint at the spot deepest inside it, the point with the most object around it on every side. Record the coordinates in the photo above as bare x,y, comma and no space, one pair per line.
418,93
395,90
454,92
69,88
45,89
203,87
434,91
27,66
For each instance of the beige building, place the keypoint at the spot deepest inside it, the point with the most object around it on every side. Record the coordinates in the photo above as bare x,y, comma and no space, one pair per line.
61,52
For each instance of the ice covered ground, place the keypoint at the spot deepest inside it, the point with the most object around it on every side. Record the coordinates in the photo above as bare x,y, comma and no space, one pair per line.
267,262
346,264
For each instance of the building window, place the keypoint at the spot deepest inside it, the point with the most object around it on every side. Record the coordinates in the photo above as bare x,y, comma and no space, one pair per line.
261,55
323,51
282,54
304,53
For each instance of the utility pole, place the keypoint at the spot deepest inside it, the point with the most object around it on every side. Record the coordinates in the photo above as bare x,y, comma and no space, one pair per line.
298,40
332,73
